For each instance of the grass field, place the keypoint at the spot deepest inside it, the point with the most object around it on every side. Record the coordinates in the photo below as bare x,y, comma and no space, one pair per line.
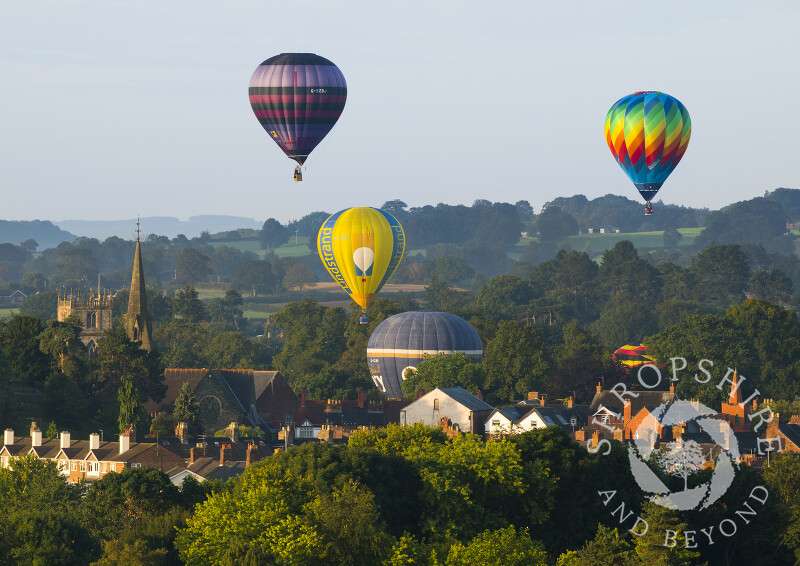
598,243
289,249
6,313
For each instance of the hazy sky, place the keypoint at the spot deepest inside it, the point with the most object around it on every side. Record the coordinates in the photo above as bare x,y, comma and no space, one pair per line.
112,109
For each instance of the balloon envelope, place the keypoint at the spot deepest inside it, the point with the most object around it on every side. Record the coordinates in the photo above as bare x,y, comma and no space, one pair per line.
361,248
648,133
632,356
401,342
297,98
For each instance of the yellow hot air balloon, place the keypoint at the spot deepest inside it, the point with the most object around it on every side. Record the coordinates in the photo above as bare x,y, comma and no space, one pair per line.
361,248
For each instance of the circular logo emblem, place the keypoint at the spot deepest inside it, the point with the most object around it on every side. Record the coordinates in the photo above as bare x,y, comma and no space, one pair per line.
700,439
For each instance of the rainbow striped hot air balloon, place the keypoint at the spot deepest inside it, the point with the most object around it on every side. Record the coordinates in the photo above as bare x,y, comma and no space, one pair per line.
361,248
648,133
297,98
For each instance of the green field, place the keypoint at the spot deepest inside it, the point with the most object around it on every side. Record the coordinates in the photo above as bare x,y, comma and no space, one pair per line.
598,243
295,247
6,313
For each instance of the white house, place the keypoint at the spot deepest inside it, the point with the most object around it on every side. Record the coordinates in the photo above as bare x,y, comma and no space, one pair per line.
455,403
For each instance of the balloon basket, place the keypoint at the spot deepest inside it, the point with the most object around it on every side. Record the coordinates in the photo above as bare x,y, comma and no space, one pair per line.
298,175
363,319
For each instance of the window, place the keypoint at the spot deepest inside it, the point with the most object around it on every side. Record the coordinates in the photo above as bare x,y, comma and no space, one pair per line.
63,465
103,467
93,467
3,462
74,466
136,465
83,466
495,424
435,404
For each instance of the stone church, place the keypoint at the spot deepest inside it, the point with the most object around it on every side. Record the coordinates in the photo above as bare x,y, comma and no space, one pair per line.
95,310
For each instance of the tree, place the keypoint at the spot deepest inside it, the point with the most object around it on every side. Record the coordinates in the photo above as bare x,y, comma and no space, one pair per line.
131,412
503,295
187,305
192,267
771,285
43,305
349,526
254,277
182,345
503,547
73,265
227,312
65,400
450,269
607,547
7,413
444,370
650,547
554,224
62,342
20,341
298,276
624,320
272,234
671,238
515,363
229,350
623,270
722,272
396,208
186,407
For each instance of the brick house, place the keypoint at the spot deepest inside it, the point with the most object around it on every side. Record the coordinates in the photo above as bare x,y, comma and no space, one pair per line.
89,460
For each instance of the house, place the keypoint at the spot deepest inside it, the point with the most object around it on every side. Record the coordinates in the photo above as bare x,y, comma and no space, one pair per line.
257,398
334,419
89,460
455,403
219,461
535,413
12,296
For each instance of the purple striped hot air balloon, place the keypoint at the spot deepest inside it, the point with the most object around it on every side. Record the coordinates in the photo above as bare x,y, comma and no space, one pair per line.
297,97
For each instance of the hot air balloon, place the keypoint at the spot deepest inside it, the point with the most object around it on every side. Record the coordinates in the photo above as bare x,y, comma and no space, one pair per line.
648,133
401,341
632,356
297,97
361,248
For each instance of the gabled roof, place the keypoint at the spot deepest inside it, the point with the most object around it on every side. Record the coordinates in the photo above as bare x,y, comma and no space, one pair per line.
790,431
513,413
261,380
173,380
558,415
465,398
209,468
643,399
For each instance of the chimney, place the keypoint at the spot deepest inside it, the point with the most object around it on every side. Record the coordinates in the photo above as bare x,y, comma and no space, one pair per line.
8,437
599,387
569,402
595,437
232,431
420,393
542,399
36,435
677,432
182,432
755,405
672,387
94,441
533,395
125,441
252,455
192,456
64,439
479,395
626,413
362,397
303,397
222,453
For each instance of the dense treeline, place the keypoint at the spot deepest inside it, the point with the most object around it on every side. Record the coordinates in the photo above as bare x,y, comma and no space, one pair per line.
392,497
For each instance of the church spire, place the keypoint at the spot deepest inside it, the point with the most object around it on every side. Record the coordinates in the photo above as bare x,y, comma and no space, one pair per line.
137,319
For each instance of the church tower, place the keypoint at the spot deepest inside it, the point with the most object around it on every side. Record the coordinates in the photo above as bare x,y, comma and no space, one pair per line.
94,312
137,319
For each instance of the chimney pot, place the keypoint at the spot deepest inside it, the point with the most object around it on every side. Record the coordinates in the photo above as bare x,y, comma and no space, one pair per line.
570,402
599,387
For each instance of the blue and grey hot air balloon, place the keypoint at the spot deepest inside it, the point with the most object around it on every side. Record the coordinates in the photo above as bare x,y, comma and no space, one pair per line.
401,341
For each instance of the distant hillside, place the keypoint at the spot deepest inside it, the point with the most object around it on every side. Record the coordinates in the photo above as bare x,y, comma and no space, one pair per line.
160,225
46,234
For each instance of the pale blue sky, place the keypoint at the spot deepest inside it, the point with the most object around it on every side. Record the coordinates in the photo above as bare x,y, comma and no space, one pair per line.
113,109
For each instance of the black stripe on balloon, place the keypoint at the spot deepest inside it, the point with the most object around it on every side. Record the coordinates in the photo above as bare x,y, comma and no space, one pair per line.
294,91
